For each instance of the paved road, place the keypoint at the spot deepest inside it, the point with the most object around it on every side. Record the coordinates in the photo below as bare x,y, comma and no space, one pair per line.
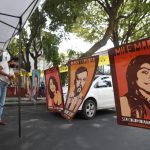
42,130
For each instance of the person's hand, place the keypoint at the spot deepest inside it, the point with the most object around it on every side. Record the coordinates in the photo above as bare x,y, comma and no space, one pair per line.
10,77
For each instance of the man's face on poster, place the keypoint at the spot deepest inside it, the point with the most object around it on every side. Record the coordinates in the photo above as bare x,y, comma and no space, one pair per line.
143,77
80,81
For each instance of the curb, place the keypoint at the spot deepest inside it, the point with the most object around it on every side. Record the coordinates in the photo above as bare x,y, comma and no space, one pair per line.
13,101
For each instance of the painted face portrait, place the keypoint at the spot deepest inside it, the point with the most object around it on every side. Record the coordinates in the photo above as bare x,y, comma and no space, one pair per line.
53,89
138,74
52,86
81,76
138,95
130,70
80,81
143,77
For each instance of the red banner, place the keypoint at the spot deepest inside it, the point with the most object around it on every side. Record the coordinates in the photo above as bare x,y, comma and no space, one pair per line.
81,73
53,90
130,67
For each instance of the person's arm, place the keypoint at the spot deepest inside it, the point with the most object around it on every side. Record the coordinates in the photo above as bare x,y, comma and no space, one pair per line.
5,74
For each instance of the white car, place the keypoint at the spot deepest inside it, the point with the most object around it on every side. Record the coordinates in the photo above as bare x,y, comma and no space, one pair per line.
100,96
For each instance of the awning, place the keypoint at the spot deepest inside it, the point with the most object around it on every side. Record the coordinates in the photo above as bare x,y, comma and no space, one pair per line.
13,16
10,13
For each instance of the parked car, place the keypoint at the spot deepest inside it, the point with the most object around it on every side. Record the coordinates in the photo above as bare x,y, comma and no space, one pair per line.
100,96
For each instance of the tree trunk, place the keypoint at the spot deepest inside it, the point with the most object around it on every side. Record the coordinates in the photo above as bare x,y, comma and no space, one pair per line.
35,63
112,11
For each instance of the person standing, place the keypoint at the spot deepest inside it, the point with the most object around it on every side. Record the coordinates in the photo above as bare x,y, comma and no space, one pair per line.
35,89
4,81
28,94
42,89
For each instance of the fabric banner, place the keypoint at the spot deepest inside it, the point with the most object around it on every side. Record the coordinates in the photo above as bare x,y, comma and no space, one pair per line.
130,67
35,83
36,78
81,73
53,90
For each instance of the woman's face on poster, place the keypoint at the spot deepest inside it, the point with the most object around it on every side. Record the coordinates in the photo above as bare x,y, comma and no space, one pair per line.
52,86
143,77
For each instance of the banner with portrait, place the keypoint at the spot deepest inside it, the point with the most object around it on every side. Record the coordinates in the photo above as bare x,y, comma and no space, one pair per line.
81,74
130,67
54,94
36,78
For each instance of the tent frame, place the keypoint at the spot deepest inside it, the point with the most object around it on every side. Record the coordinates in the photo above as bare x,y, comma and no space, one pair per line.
19,28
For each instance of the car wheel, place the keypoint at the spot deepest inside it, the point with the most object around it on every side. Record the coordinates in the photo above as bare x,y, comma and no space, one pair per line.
89,109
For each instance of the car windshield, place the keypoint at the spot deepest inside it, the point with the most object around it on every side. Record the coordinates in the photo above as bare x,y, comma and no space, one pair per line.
95,78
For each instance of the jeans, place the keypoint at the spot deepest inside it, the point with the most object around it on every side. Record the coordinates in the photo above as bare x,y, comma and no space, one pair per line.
43,92
3,90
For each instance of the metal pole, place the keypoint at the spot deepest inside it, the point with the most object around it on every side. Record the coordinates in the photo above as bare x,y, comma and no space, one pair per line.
19,78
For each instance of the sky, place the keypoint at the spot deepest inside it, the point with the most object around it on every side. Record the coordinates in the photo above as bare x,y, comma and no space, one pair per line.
78,44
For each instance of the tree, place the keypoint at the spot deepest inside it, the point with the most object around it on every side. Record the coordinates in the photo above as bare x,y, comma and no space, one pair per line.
66,13
97,11
50,48
31,40
62,57
63,13
36,42
132,22
97,21
128,22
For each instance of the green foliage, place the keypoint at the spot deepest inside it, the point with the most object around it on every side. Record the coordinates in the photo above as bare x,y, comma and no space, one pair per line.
50,48
133,22
64,77
13,48
94,20
63,12
72,54
62,57
92,24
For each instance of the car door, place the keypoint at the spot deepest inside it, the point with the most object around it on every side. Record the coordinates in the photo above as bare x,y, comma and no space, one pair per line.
104,92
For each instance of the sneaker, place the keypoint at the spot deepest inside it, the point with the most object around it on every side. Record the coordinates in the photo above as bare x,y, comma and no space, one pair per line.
2,123
26,95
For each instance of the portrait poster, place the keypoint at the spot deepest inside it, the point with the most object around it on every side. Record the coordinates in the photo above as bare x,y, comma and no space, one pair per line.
36,78
130,68
35,85
81,74
54,94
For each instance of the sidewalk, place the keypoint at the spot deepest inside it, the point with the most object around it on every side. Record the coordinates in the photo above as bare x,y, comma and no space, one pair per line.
13,101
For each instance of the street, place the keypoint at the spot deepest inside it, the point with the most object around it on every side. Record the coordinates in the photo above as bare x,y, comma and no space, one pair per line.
46,130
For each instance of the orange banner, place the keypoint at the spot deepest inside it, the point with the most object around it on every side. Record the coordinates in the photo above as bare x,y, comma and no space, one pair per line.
130,67
81,73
